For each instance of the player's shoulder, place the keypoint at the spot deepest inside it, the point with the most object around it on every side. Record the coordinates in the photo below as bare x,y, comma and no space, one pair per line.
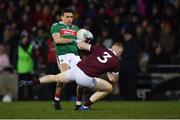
57,24
96,48
54,25
75,27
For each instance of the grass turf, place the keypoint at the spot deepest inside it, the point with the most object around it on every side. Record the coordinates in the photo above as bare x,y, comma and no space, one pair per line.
102,109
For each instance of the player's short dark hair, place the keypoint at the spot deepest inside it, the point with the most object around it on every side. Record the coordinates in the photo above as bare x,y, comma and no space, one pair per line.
66,10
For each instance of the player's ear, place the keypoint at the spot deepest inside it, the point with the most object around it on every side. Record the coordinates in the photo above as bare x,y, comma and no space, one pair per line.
61,17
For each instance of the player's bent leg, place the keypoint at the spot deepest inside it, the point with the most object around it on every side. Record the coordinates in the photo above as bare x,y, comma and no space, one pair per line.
79,93
62,78
97,96
59,87
103,85
103,89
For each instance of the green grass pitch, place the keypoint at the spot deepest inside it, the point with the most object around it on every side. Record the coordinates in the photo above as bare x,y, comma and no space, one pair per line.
102,109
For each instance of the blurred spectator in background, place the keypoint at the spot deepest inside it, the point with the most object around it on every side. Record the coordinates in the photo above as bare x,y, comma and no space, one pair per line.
10,39
144,55
162,51
47,90
167,38
4,59
39,39
152,46
45,16
104,39
25,65
129,66
102,19
115,28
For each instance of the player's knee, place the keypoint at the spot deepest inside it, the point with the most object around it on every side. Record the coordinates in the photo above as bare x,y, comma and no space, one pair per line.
109,88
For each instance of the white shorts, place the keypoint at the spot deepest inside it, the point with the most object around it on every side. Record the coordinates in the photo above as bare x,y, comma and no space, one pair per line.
69,59
76,74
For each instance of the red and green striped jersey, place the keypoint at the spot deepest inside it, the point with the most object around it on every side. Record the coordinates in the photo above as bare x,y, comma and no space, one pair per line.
68,32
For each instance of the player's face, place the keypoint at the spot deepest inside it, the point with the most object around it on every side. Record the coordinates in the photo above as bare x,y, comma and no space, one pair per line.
118,50
67,18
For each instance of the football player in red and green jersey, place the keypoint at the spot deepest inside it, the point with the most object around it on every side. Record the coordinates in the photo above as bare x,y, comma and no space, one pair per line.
64,35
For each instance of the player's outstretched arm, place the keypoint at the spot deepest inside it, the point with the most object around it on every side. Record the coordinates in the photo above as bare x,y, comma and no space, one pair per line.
84,46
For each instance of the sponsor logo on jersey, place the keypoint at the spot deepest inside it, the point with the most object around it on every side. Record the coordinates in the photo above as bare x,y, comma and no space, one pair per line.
67,32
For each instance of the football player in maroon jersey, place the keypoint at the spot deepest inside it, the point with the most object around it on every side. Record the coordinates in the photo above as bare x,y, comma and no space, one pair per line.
86,72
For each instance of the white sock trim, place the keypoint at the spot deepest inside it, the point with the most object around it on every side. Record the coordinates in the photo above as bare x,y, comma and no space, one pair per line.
78,103
56,98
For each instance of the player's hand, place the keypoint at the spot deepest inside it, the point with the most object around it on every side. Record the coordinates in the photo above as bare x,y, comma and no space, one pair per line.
88,35
112,77
76,40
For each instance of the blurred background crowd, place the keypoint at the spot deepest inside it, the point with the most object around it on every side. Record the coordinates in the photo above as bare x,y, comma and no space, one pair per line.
152,24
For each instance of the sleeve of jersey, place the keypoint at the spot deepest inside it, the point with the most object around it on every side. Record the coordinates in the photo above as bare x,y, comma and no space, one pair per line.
76,27
54,28
93,48
116,69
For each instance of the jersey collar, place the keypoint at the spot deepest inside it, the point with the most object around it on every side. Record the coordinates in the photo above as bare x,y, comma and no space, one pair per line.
61,22
112,51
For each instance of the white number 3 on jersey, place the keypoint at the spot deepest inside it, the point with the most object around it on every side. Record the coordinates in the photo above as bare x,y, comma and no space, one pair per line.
104,58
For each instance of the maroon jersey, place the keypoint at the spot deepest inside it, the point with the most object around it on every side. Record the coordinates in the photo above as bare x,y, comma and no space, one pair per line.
100,60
